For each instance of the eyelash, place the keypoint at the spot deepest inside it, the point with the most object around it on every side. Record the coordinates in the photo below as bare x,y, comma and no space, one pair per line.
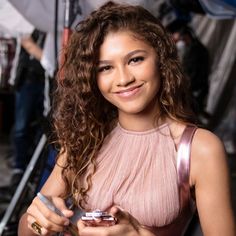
136,59
132,60
104,68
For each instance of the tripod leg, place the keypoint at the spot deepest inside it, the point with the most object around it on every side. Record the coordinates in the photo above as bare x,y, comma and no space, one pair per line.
31,166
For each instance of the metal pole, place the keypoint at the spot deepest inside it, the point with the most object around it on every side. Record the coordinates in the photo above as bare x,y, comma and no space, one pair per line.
23,182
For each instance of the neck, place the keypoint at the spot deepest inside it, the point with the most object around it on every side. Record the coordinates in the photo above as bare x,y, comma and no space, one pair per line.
142,121
135,123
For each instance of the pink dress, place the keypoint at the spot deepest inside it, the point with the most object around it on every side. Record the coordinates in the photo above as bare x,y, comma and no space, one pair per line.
139,171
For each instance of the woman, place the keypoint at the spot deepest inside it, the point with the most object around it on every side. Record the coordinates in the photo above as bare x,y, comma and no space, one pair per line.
121,114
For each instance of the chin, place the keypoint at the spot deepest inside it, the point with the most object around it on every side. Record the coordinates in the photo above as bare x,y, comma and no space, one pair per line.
132,110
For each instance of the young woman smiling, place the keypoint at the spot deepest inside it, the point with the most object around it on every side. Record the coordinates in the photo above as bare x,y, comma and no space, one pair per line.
125,129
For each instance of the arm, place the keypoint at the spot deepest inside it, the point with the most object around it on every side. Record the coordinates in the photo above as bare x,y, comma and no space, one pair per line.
31,47
53,187
209,174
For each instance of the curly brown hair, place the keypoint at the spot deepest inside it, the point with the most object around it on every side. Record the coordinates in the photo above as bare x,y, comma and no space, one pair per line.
82,116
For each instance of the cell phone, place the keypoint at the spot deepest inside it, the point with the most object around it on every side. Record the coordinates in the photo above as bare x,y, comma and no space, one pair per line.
98,218
71,228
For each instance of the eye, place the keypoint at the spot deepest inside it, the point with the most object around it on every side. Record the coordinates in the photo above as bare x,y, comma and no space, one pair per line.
136,60
104,68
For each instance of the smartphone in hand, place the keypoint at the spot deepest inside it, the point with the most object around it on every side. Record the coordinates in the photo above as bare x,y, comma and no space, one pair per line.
98,218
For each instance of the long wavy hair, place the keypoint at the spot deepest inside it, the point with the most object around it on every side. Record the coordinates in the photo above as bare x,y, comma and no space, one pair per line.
82,117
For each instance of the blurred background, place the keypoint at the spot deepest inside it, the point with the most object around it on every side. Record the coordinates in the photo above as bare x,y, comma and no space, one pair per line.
32,34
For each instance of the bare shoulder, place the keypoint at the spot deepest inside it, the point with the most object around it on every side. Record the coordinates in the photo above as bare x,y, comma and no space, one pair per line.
207,155
206,143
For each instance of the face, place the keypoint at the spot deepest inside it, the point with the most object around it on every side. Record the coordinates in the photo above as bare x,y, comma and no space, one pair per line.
127,74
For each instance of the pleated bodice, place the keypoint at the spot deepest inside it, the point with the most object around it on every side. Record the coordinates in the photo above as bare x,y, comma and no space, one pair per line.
137,171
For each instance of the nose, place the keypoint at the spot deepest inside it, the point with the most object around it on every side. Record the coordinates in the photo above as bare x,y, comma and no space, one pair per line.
124,77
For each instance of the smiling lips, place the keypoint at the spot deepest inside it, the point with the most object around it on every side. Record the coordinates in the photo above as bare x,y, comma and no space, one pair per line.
126,93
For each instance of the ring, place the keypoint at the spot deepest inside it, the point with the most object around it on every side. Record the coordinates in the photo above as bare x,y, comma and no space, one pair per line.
37,227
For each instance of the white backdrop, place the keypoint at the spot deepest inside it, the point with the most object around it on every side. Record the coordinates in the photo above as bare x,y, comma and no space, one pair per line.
12,23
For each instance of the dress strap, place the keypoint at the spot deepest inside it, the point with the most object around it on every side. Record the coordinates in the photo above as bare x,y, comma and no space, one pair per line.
183,164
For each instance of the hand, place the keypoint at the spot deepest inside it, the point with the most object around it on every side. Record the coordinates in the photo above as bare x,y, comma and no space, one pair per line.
126,225
46,218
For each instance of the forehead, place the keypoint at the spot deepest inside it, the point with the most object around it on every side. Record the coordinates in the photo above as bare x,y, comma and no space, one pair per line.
122,39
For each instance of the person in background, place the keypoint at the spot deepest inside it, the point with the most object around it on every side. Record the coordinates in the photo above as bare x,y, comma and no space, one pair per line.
123,122
29,97
195,60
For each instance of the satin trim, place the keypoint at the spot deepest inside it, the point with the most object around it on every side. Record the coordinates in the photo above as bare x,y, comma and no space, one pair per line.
183,165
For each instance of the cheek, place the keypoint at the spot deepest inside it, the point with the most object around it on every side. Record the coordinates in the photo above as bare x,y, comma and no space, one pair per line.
103,86
155,80
149,74
147,70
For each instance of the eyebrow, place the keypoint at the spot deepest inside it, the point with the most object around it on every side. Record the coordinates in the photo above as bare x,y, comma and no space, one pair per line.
130,54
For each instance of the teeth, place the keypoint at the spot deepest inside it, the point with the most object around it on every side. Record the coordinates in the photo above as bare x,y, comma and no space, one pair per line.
129,90
128,93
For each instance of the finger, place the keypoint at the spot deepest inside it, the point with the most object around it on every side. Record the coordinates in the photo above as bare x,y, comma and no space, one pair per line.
92,223
56,202
60,204
120,214
30,221
117,210
48,219
81,225
47,224
95,231
124,217
49,214
115,230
